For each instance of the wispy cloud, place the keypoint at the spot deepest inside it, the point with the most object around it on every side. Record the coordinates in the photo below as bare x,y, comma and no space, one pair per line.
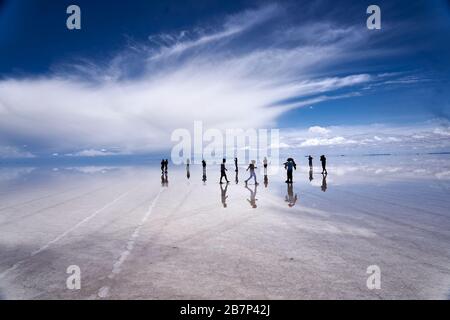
212,73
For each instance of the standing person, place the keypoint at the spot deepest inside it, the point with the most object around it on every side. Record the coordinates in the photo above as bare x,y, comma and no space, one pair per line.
204,166
265,166
223,170
324,164
163,164
252,168
204,170
166,165
290,165
311,178
310,159
236,164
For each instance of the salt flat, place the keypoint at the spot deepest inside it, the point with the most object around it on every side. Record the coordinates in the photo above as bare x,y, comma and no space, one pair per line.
134,237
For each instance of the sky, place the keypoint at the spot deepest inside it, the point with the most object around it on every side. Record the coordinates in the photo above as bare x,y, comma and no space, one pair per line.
138,70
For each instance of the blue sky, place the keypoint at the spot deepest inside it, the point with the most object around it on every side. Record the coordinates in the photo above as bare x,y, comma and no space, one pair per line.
137,70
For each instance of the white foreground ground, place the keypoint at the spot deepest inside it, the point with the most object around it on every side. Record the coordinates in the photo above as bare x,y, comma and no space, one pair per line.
134,238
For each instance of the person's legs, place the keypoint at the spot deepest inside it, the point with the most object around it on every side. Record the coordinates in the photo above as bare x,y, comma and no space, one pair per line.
254,177
289,176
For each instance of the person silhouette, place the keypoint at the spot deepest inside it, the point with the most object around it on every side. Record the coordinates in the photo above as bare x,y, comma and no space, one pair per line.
223,171
311,175
236,178
323,159
290,198
310,159
290,165
323,187
163,165
224,195
204,170
236,164
265,166
252,168
166,165
252,199
266,181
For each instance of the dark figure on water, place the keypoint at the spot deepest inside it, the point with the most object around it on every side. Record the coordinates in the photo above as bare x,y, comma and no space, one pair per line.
311,175
310,159
166,165
324,164
236,164
265,166
323,187
204,170
290,198
188,171
163,165
224,195
164,180
290,166
223,171
266,181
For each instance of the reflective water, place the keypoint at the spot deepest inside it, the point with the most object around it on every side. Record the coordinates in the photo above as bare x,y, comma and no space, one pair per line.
136,232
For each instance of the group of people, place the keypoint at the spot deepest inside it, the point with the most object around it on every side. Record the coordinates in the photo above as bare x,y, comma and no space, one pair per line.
289,166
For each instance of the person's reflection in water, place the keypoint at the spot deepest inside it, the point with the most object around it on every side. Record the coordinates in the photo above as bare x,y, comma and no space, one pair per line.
266,181
324,182
252,199
237,177
311,178
224,195
290,198
164,180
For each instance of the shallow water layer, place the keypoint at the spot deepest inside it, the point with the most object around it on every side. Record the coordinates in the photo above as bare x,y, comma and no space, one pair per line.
136,234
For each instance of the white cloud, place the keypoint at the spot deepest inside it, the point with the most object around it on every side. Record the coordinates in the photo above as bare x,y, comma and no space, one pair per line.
314,142
92,153
13,152
374,138
318,130
206,74
442,131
